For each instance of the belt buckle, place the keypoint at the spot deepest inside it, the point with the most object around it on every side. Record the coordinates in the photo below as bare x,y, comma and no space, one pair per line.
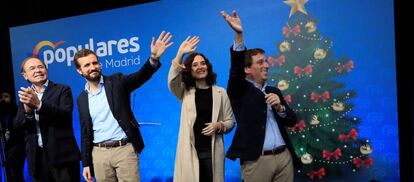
274,150
105,145
112,144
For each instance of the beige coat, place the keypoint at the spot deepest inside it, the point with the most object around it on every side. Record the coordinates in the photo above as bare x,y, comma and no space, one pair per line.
186,161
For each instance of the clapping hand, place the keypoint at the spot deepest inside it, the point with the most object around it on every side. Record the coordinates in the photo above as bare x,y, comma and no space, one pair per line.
29,98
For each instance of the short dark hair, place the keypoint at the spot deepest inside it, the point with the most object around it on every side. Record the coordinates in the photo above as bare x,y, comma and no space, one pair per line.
188,79
27,59
249,54
82,53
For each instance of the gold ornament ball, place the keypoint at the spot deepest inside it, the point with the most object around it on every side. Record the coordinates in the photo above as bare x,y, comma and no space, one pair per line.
306,158
284,46
314,120
283,85
319,54
338,106
310,27
365,149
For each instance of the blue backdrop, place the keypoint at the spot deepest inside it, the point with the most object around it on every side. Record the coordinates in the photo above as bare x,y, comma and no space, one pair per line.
362,30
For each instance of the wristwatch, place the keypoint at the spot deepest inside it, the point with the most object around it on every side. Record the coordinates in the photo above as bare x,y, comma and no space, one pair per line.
28,115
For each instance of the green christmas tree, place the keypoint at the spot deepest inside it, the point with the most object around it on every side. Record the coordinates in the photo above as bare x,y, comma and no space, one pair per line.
326,136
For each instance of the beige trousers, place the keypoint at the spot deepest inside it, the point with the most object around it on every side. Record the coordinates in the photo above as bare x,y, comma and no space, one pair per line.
269,168
116,164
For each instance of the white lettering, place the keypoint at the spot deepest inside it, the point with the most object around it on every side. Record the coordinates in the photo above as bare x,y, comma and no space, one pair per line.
110,44
122,44
124,62
135,46
103,49
91,44
70,53
48,57
60,55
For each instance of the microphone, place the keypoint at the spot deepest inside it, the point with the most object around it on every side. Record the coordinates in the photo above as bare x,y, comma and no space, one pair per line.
149,123
133,100
143,122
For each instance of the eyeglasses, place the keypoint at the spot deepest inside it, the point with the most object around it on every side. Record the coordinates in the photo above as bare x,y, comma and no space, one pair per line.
262,61
33,68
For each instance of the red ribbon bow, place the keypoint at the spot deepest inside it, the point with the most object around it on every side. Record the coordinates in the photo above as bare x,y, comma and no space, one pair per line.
335,154
348,66
367,162
353,134
276,61
298,70
315,97
298,126
295,31
319,173
288,99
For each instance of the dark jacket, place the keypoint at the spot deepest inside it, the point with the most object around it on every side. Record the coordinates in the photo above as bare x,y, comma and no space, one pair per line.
250,110
118,90
55,121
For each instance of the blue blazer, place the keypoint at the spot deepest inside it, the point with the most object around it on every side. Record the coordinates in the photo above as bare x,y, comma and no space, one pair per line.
55,121
118,88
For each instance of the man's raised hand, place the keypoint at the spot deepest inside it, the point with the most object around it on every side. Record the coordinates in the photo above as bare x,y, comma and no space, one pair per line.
159,46
234,21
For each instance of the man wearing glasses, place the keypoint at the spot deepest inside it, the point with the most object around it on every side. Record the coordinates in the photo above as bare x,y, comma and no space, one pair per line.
45,112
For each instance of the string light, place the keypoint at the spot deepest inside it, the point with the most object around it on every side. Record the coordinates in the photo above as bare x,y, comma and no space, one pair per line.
323,125
336,162
313,62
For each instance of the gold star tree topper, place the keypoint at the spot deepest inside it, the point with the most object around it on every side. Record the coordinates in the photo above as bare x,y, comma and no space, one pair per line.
296,5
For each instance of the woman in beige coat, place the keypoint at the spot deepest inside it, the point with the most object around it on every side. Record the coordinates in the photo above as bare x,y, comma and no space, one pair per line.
205,116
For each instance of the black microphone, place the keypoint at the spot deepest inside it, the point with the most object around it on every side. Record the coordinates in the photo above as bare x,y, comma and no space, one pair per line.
133,100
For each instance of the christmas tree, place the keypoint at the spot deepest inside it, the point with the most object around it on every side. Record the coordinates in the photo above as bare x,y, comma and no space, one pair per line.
325,136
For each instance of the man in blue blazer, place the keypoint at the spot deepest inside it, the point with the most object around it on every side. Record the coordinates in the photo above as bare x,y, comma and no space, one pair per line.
261,141
45,112
111,139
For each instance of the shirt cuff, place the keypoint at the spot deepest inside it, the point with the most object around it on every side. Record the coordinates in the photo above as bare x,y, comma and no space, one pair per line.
153,64
282,114
239,46
40,106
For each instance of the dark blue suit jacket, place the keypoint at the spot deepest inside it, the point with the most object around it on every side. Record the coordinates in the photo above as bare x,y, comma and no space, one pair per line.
55,121
250,110
118,90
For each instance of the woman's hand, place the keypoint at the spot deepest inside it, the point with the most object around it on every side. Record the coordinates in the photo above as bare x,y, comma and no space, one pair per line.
189,45
212,128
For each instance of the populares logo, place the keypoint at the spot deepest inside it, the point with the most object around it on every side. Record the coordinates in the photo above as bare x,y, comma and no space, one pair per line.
53,52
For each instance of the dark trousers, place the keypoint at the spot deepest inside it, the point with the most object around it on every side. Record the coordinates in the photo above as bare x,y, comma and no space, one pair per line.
14,163
206,165
69,172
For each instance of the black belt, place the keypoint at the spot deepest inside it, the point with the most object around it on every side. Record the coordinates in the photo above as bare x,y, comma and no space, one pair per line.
111,143
275,151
